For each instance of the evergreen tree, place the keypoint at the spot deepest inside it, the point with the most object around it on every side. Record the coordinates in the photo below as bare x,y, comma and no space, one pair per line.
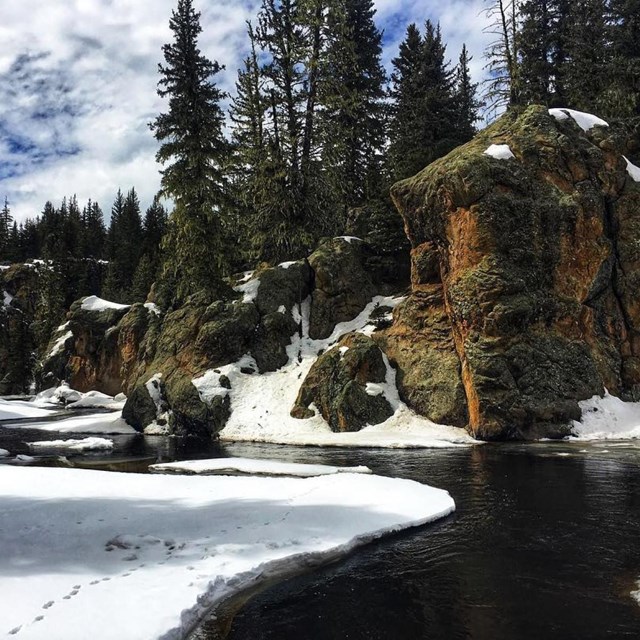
622,95
588,56
192,142
467,103
424,110
6,221
352,98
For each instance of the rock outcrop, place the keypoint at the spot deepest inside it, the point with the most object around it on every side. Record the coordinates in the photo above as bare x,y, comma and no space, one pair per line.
525,273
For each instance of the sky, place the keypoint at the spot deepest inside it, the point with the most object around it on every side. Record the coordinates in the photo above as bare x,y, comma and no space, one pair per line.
78,84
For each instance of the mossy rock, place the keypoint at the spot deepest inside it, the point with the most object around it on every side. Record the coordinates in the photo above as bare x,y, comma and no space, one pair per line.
337,385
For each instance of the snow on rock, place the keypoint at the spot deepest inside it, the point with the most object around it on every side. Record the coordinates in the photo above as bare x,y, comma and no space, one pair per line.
585,121
104,423
12,409
349,239
160,426
607,418
249,290
86,444
499,152
636,594
210,385
286,265
632,170
59,344
129,556
93,303
4,453
7,298
235,466
152,308
260,404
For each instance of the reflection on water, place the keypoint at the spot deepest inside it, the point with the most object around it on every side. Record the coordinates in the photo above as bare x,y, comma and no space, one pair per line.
545,544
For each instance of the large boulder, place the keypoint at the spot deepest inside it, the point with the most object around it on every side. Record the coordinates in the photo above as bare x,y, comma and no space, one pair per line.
344,384
525,272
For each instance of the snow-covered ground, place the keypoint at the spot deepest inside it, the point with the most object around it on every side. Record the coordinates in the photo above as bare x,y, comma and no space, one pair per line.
131,556
64,395
251,466
607,418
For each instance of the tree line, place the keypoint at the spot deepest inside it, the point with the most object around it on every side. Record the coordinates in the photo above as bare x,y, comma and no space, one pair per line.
583,54
83,255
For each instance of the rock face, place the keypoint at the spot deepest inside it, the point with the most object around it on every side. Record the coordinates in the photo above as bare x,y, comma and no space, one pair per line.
340,385
525,274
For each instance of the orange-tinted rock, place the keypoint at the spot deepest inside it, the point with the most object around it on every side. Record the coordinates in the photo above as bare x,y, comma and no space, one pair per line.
538,263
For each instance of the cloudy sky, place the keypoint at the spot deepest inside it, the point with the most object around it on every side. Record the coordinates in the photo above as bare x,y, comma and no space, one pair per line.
78,85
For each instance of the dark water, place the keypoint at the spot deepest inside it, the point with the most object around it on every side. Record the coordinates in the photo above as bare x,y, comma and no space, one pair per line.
543,545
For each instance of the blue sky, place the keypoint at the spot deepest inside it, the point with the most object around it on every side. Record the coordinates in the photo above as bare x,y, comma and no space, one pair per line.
79,77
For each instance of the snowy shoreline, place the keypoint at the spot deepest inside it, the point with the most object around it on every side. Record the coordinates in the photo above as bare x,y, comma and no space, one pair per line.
147,556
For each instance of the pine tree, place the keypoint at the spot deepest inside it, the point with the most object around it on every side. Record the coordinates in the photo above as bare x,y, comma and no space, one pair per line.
352,99
194,151
535,46
623,93
6,221
423,125
588,56
467,103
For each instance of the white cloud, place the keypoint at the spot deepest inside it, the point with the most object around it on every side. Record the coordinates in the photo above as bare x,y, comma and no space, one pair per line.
81,78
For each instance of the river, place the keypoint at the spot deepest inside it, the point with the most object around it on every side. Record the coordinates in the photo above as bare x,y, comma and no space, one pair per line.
545,544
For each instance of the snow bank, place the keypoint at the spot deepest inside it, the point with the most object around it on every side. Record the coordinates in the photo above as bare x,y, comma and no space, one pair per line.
106,423
235,466
585,121
632,170
93,303
10,410
607,418
86,444
499,152
128,556
65,396
260,404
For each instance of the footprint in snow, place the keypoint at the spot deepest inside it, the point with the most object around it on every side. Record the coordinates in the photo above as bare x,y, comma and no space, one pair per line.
15,630
38,618
48,605
94,582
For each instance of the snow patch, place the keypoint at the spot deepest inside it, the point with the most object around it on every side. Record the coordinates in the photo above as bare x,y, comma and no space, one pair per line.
499,152
607,418
116,555
93,303
282,309
249,290
4,453
632,170
286,265
7,298
160,426
235,466
59,344
586,121
636,594
152,308
86,444
209,384
349,239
